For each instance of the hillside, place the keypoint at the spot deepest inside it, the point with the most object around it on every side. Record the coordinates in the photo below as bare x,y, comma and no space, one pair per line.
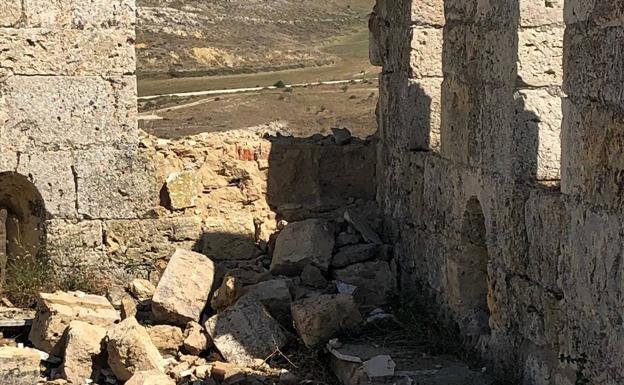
218,37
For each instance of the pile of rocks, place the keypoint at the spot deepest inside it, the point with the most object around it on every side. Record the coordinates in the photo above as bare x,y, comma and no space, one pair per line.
206,324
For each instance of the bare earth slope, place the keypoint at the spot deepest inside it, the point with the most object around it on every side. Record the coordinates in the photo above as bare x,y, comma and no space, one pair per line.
216,37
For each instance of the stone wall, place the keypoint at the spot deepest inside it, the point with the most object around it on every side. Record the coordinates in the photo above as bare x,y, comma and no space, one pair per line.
530,275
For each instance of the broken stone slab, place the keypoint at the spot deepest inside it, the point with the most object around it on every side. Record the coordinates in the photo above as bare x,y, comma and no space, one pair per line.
350,255
56,311
275,296
150,378
131,350
196,339
183,189
320,318
184,288
83,352
141,289
11,317
310,242
362,226
245,332
19,366
167,339
374,281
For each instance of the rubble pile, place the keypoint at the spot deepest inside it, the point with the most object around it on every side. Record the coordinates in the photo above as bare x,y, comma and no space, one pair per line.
207,322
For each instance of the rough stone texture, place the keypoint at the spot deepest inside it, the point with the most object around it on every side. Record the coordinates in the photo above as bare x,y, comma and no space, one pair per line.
141,289
130,350
275,296
375,282
83,351
150,378
56,311
350,255
320,318
19,366
245,332
183,189
183,290
196,339
309,242
167,339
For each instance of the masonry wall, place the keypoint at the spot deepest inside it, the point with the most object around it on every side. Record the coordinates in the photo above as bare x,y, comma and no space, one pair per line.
530,274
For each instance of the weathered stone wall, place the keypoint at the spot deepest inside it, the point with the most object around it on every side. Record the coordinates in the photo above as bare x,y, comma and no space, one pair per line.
528,273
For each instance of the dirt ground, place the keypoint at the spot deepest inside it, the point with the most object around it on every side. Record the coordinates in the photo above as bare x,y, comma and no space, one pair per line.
301,111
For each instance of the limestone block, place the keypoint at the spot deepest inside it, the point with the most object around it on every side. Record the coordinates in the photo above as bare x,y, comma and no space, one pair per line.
183,290
500,13
130,350
56,311
540,56
51,172
536,13
374,281
114,183
245,332
150,378
538,134
64,112
19,366
275,296
183,189
77,14
230,237
428,12
83,351
303,243
350,255
196,339
227,293
141,289
426,57
320,318
602,12
11,12
167,339
34,51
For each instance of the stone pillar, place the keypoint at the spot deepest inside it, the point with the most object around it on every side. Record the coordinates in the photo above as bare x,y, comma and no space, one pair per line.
593,122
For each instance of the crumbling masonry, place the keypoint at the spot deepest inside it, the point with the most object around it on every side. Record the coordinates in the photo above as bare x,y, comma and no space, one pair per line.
499,165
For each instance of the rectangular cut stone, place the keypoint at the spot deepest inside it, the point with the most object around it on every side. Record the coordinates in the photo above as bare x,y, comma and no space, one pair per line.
594,63
537,134
68,242
80,14
19,366
602,12
428,12
426,57
35,51
68,112
535,13
11,12
540,56
490,13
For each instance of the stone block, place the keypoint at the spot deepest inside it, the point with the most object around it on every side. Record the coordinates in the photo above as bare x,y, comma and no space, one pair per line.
428,12
374,281
35,51
229,238
245,332
130,350
540,56
320,318
350,255
303,243
275,296
426,58
183,189
604,13
77,14
183,290
11,13
536,13
196,339
83,352
150,378
56,311
167,339
19,366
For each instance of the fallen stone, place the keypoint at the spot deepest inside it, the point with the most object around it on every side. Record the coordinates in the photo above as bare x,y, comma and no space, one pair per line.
346,239
341,136
275,296
84,352
227,294
227,373
379,366
245,332
374,281
130,350
19,366
56,311
361,225
183,189
310,242
167,339
128,307
350,255
196,339
183,290
312,276
141,289
320,318
150,378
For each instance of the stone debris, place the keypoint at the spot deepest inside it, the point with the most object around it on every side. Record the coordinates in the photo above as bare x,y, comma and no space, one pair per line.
362,226
141,289
374,281
320,318
83,352
379,366
184,288
128,307
150,378
195,339
341,136
183,189
227,294
275,296
56,311
19,366
167,339
310,242
312,276
131,350
349,255
245,332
